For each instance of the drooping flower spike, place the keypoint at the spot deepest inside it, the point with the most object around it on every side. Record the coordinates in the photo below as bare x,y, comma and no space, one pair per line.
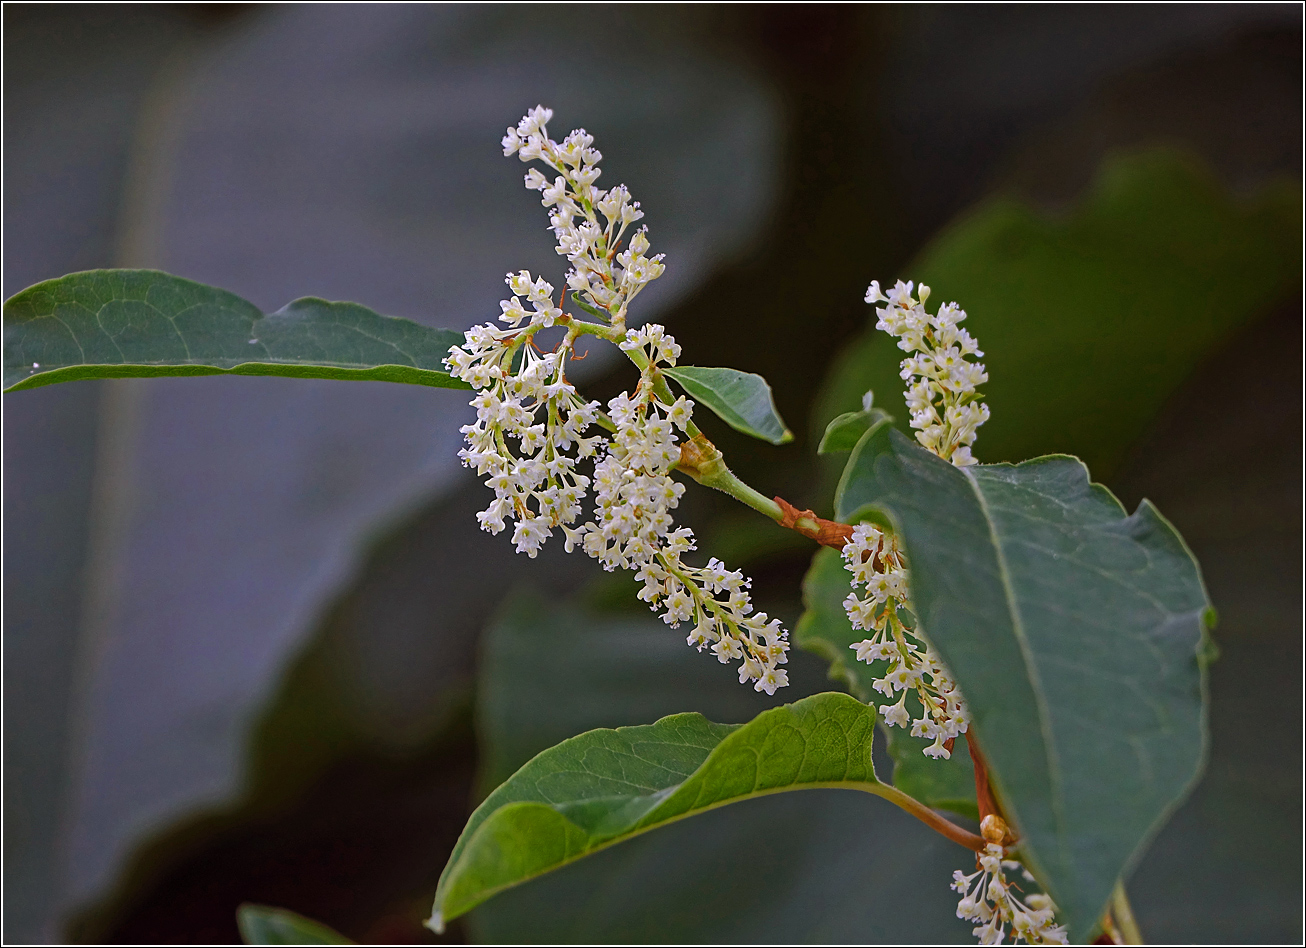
531,424
990,900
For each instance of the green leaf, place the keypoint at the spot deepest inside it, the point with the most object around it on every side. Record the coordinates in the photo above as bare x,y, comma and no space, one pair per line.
144,323
741,399
605,786
838,865
1091,318
265,925
1075,633
824,629
844,432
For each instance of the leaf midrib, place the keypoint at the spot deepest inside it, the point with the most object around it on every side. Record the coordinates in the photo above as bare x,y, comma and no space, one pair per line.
1031,669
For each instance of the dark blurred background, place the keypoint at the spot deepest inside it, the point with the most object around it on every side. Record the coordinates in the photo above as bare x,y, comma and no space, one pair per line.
255,648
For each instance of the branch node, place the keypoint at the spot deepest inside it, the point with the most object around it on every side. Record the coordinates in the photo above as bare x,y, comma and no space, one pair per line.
829,533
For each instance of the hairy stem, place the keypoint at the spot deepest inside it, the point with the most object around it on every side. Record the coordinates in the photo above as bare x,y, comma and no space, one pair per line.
701,460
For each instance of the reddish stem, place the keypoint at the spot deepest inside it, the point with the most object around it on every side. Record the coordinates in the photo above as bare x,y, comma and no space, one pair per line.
829,533
988,804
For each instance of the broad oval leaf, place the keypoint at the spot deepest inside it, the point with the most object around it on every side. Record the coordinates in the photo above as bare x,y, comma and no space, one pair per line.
741,399
144,323
1077,635
265,925
605,786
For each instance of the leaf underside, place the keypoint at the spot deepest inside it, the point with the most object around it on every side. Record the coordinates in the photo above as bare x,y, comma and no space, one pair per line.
605,786
742,400
1076,634
145,323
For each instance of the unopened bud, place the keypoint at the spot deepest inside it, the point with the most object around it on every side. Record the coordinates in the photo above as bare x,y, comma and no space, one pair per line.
993,828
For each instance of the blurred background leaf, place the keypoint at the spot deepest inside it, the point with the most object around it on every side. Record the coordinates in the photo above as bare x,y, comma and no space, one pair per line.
264,925
1090,319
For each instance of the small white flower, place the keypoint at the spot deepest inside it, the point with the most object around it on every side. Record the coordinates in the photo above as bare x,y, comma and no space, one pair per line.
878,565
986,898
771,679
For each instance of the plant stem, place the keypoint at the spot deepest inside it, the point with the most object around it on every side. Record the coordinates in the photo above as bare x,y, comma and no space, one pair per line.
702,460
927,816
1124,916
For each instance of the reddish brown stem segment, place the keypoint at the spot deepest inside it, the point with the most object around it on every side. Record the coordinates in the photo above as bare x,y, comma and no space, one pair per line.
825,532
988,805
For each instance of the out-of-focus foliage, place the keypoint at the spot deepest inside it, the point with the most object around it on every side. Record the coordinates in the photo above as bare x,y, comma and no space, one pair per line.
264,925
351,208
1089,320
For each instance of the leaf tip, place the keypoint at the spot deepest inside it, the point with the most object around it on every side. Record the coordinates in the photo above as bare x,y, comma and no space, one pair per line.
435,923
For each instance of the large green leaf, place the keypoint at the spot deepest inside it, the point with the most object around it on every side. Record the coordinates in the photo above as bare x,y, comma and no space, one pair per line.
837,864
1090,319
825,629
265,925
141,323
742,400
1078,636
608,785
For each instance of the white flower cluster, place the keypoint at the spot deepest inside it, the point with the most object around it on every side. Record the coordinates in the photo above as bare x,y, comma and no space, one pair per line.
536,483
876,562
600,274
941,393
633,528
987,898
529,418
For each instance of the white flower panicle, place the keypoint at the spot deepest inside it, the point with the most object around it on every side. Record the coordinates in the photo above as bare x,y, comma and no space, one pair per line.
911,666
530,424
944,402
589,223
942,394
633,528
534,481
987,898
